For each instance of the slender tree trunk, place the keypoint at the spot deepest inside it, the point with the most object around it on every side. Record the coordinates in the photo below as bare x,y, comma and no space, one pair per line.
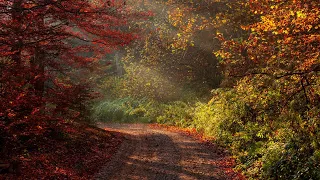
38,66
17,15
119,68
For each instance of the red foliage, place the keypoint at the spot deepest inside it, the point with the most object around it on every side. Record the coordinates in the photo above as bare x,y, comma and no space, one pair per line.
41,43
39,40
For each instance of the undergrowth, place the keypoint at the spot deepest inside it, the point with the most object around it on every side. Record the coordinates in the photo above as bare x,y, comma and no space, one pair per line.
125,110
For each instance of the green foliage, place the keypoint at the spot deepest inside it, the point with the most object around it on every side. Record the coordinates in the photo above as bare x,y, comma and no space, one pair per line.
144,82
267,143
119,110
176,113
127,110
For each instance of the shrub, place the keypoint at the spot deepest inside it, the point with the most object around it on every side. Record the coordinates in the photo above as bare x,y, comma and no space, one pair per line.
176,113
126,110
267,143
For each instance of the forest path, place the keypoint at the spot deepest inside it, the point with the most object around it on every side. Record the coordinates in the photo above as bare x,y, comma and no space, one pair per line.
148,153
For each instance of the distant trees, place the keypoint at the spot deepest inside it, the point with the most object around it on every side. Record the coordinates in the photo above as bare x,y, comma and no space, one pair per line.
176,46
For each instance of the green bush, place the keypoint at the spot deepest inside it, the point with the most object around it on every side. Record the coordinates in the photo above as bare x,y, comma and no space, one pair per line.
267,143
176,113
120,110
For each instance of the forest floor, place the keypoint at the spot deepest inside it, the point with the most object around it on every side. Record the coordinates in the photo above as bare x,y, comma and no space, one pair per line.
158,152
64,151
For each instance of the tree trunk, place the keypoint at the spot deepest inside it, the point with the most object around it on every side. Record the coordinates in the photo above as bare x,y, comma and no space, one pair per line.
38,66
17,39
119,68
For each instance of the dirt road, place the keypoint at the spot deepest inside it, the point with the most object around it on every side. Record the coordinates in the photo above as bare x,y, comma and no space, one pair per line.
156,154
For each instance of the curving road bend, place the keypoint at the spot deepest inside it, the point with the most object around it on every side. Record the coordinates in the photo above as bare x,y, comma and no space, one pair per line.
152,154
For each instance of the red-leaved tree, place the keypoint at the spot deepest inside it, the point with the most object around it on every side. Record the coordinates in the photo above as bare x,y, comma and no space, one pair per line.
44,42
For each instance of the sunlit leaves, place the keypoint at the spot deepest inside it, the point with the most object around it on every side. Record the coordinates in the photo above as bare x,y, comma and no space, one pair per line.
275,70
